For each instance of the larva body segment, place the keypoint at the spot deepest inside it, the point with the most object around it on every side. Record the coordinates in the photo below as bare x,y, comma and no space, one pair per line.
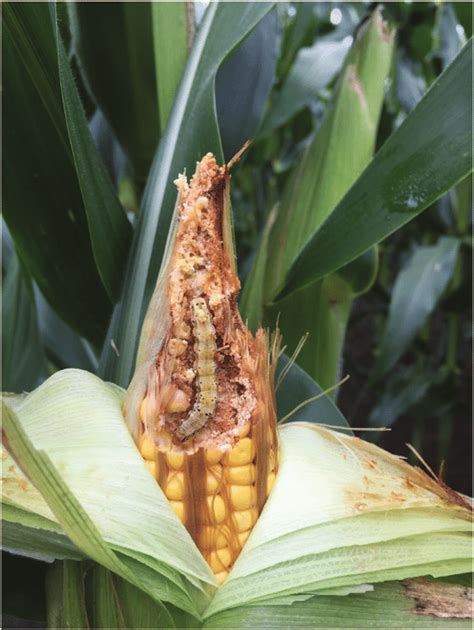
205,349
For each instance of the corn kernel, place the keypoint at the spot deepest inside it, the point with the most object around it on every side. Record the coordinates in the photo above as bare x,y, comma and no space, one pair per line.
147,447
175,460
242,497
242,453
178,507
221,576
212,538
151,467
178,401
219,560
243,537
245,519
217,509
213,478
270,482
240,475
245,430
175,486
213,456
142,411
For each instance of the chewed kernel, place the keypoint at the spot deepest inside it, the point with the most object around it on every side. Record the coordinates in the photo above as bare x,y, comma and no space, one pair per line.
175,486
147,447
243,497
176,347
177,402
242,453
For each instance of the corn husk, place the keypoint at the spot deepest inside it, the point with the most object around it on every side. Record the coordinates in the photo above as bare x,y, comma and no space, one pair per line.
314,535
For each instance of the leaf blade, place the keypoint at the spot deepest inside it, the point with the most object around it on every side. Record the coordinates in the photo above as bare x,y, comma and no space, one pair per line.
405,177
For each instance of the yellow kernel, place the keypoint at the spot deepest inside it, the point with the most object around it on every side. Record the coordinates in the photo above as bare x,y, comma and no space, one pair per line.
245,430
212,538
220,560
178,507
213,456
147,447
175,486
243,497
151,467
142,411
240,475
245,519
213,478
243,537
217,509
177,401
270,481
242,453
175,460
221,576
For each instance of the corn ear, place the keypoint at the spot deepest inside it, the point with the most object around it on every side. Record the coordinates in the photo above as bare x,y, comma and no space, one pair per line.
201,404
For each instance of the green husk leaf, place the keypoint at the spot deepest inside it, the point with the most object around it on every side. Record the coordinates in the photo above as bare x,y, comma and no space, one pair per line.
405,524
391,604
136,534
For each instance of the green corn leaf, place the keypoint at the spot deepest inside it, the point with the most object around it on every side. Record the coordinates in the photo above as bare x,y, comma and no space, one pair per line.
393,604
109,228
23,358
65,595
173,30
408,173
243,84
50,230
114,47
314,68
416,292
191,132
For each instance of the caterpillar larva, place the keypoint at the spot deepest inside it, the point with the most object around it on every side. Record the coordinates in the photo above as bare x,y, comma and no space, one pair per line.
205,349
